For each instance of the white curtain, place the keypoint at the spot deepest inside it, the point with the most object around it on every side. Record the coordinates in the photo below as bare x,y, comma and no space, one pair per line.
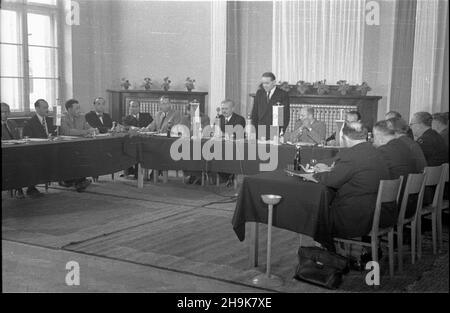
318,39
430,70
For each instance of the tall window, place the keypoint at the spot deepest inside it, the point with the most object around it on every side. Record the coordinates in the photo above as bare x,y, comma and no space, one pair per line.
29,52
318,39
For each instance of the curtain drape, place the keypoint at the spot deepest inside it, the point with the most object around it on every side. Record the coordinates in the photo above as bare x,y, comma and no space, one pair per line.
318,39
430,66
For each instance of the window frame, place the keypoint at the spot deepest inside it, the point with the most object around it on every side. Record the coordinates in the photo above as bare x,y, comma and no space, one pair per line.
56,13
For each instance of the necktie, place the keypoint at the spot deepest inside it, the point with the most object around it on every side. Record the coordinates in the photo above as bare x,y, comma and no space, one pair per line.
162,120
100,117
268,97
44,123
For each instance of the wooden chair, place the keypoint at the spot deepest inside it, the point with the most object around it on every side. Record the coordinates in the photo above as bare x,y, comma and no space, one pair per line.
441,203
414,185
434,177
388,191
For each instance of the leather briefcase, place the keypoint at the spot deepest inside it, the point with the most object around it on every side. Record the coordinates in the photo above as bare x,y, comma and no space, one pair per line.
321,267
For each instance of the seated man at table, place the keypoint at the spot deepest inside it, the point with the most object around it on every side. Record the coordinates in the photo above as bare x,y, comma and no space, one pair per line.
228,121
39,126
9,132
9,127
355,178
401,130
336,138
432,144
74,124
307,128
136,118
98,118
440,124
395,152
395,114
166,116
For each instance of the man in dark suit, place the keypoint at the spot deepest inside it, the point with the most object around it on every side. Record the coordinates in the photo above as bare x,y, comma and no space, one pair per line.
266,97
440,124
230,118
395,152
10,131
39,126
432,144
137,118
355,178
98,118
395,114
9,127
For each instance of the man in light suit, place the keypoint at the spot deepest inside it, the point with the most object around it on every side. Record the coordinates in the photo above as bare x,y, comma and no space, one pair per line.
98,118
165,116
266,97
307,128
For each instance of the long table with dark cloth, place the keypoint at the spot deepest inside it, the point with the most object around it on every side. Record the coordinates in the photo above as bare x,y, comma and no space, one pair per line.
41,162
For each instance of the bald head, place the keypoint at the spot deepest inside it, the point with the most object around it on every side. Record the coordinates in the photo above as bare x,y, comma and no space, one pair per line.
227,107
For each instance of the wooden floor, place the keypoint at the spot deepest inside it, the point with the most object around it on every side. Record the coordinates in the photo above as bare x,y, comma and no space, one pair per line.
165,237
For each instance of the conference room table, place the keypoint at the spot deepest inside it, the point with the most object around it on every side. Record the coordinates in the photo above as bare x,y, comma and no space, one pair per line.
41,161
35,162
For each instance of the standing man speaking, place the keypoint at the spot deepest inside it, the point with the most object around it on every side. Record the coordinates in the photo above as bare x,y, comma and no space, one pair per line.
267,97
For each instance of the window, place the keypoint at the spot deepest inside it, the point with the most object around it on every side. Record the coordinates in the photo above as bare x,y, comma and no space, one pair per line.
29,53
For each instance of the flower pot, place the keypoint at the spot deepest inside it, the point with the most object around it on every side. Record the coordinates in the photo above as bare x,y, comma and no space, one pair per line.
302,89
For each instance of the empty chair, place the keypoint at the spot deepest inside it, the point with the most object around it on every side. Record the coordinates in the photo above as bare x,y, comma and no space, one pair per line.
388,191
414,185
434,178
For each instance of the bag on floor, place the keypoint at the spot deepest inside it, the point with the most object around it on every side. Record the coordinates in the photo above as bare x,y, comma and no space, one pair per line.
321,267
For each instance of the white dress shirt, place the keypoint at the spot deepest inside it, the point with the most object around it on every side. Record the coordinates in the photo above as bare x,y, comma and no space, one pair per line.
42,119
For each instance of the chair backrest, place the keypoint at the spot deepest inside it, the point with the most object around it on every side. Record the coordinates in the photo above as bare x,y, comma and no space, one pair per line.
388,191
439,197
414,185
434,176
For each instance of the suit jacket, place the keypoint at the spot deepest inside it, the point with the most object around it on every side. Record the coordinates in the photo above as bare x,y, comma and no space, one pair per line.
444,135
160,123
235,119
433,147
94,121
74,125
144,120
262,110
34,129
356,178
416,153
9,130
316,135
398,158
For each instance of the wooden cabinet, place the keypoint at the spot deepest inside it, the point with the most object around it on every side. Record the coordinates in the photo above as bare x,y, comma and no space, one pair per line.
149,99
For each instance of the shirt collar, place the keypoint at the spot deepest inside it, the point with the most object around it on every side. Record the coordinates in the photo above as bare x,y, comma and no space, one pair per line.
39,117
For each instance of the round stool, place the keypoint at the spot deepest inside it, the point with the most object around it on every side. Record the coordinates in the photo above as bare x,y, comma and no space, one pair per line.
266,279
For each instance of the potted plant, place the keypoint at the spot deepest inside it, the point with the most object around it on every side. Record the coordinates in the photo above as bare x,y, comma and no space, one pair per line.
147,83
166,84
322,87
125,83
285,86
343,87
303,87
363,89
190,84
